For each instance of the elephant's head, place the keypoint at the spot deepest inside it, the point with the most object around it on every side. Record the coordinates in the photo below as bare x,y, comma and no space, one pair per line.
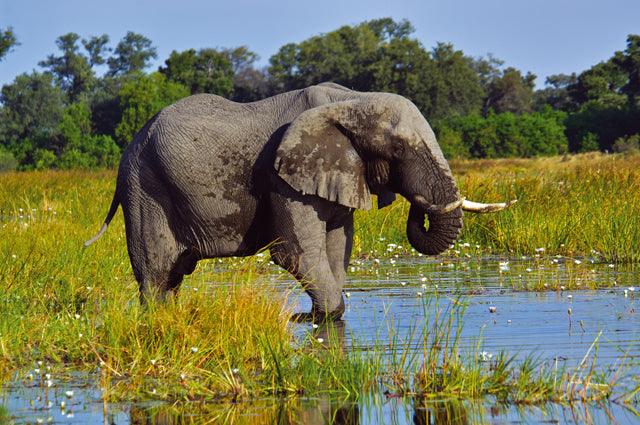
376,143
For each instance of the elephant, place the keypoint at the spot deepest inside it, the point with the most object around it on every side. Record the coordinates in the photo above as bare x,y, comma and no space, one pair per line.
207,177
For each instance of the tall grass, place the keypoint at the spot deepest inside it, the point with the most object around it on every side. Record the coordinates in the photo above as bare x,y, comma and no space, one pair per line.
77,309
585,205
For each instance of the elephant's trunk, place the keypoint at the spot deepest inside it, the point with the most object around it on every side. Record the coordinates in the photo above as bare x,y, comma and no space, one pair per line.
444,228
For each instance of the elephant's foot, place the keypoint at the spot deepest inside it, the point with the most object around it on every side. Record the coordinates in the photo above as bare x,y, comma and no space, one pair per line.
317,317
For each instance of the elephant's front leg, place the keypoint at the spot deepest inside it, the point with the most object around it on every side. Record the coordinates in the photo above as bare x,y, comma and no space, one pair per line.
301,235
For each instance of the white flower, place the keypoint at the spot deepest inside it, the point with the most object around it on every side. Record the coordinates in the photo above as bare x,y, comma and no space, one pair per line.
235,371
419,294
485,356
69,394
320,340
492,309
577,261
153,362
194,349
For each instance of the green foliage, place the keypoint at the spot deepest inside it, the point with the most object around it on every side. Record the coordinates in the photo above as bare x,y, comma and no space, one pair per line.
627,144
511,92
207,71
601,122
629,62
72,70
32,109
7,41
378,55
141,99
133,54
503,135
7,161
478,108
81,149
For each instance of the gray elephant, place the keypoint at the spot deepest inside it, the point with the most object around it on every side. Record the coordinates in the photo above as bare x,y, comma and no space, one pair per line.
207,177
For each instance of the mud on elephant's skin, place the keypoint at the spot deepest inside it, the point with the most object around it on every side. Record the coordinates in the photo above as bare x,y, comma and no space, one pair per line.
209,178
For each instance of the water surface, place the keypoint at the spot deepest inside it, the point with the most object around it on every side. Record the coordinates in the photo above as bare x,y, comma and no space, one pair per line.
516,306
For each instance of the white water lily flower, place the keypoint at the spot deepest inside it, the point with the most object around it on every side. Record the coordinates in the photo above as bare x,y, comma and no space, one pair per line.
69,394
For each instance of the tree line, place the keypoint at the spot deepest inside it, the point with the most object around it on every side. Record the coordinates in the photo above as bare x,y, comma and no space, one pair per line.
69,116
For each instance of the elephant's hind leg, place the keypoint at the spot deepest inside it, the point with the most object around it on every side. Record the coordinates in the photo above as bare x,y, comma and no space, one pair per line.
158,260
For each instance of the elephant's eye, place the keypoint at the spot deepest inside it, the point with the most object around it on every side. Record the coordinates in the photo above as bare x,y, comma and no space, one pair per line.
397,148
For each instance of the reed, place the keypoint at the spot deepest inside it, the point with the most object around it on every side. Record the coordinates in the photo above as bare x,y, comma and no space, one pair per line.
73,309
584,205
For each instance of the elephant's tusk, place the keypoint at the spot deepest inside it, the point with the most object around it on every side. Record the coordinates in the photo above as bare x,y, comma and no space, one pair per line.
477,207
431,209
443,209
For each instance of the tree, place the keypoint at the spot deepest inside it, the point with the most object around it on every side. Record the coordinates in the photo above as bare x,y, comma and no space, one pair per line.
346,56
510,92
97,47
629,62
7,41
556,93
72,70
78,147
601,83
249,84
206,71
32,108
141,99
453,85
133,53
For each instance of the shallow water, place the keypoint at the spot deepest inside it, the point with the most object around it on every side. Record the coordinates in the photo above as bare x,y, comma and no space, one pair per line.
520,307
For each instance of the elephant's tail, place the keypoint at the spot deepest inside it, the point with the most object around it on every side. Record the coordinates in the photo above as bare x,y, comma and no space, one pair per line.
115,203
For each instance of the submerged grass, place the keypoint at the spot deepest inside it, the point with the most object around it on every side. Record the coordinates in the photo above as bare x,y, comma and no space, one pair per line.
73,309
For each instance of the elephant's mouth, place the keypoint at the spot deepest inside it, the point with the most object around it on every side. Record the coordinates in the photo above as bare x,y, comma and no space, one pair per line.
445,222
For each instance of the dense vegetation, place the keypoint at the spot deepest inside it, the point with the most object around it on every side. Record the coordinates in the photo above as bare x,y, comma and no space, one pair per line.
69,116
74,310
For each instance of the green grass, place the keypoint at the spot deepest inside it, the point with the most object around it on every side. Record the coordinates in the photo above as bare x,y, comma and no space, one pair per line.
584,205
76,309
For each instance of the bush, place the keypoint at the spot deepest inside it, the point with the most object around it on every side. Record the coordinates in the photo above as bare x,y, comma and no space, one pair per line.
504,135
7,162
627,144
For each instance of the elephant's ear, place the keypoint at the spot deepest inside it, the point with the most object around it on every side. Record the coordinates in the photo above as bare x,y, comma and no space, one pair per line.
315,157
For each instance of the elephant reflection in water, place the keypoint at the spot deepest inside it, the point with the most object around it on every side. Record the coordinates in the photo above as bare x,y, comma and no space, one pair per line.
320,410
447,412
315,410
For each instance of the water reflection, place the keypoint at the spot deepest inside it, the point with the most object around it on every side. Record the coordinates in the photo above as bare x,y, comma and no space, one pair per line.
520,307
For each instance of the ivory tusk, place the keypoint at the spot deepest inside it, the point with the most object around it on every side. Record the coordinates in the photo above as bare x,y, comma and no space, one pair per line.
443,209
477,207
435,208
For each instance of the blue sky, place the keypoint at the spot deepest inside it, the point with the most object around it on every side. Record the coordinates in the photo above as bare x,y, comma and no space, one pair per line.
544,37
